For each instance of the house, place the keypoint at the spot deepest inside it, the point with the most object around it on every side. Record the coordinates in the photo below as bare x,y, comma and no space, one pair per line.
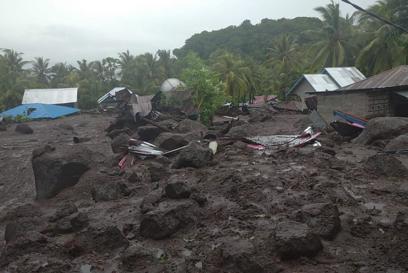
114,97
385,94
330,79
59,96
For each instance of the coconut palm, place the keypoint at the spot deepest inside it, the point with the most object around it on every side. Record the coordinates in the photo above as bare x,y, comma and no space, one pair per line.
386,47
334,48
284,53
41,70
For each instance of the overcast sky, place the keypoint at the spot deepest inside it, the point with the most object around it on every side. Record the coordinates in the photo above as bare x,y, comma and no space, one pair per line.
68,30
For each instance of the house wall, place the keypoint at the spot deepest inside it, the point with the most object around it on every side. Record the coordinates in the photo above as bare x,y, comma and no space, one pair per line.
361,104
300,92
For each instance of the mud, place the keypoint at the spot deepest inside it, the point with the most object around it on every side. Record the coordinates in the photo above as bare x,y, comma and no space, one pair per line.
294,210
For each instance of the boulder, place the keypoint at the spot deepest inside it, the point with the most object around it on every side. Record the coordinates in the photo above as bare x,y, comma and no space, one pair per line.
382,128
138,174
238,256
386,165
322,218
24,129
294,240
97,239
148,133
194,156
138,257
120,143
158,170
104,191
57,169
177,190
64,211
398,143
168,218
188,125
171,141
151,200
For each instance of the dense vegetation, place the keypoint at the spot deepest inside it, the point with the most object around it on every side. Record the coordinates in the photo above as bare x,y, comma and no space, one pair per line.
233,64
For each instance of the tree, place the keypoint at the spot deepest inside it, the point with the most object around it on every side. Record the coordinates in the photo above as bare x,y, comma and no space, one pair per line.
205,85
41,70
386,46
234,73
334,48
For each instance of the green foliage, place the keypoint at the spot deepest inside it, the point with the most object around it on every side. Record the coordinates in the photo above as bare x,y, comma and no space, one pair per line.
205,85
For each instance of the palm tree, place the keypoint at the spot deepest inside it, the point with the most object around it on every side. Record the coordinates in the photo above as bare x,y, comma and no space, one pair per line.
84,69
14,60
334,48
385,47
165,63
284,53
41,69
236,76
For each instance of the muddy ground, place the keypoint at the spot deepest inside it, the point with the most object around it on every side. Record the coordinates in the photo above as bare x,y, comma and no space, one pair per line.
241,213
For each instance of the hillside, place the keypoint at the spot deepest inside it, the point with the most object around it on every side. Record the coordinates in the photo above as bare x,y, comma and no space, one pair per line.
247,39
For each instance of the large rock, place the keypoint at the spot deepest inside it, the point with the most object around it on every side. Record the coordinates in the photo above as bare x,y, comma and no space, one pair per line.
97,239
148,133
177,190
294,240
188,125
120,143
386,165
398,143
194,156
322,218
171,141
238,256
168,218
57,169
382,128
24,129
104,191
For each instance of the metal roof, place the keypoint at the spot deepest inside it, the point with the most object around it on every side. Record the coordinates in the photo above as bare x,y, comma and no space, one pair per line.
321,82
344,76
396,77
51,96
112,93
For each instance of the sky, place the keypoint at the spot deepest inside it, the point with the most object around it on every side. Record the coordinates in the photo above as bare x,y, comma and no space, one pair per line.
69,30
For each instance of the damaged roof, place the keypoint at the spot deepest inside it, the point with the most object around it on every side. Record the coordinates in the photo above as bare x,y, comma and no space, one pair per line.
396,77
344,76
112,93
51,96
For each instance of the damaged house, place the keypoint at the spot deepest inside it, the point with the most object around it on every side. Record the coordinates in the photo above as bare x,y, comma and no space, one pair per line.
115,97
330,79
385,94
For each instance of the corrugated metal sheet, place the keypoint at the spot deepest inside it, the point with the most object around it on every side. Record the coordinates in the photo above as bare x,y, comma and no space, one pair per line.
40,111
344,76
321,82
141,105
112,93
397,77
51,96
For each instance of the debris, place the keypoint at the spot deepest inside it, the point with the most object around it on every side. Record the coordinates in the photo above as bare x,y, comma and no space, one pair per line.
399,143
213,146
24,129
270,142
317,120
77,140
144,149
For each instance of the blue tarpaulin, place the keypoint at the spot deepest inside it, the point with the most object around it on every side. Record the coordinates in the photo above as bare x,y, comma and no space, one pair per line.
39,111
